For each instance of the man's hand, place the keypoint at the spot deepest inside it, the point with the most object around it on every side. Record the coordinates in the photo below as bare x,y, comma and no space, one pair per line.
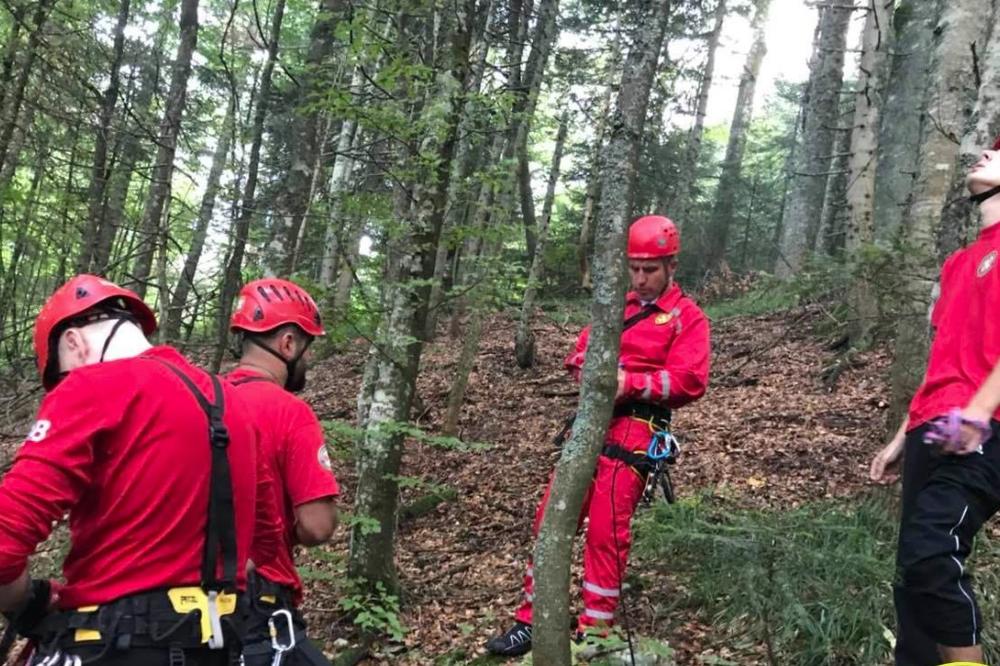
41,599
960,431
885,465
975,430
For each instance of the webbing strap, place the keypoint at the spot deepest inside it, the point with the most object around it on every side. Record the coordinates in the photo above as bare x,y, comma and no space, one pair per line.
646,311
220,532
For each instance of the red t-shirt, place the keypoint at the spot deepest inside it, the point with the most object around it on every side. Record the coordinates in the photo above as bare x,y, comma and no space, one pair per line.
293,445
123,448
665,357
966,343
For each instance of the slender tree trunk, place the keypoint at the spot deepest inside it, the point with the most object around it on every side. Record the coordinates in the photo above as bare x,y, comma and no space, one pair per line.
129,151
175,312
901,117
307,142
724,210
170,126
575,469
28,56
864,159
524,338
234,267
830,234
340,178
100,171
820,107
592,199
372,552
546,32
683,196
950,99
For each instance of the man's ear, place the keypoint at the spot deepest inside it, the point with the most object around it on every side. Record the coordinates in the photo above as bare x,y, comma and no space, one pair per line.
72,348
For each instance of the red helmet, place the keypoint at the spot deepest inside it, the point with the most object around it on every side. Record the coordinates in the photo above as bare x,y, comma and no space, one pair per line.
269,303
652,237
80,294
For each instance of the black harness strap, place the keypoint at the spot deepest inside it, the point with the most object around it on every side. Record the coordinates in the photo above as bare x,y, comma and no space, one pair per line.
220,533
646,311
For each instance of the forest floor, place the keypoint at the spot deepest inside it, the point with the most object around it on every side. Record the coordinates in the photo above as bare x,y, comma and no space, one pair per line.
769,433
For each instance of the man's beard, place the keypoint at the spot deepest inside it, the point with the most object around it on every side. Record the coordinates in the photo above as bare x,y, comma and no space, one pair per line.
296,380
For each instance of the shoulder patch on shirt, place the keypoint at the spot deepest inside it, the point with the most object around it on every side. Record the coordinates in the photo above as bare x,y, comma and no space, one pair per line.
324,458
987,264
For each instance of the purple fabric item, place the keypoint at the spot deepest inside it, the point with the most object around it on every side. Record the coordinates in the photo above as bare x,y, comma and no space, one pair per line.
945,431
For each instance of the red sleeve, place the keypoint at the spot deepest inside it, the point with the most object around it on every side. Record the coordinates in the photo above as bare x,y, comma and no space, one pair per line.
53,467
267,537
684,374
574,362
307,468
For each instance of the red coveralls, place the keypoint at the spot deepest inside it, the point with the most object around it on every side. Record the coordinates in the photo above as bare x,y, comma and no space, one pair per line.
293,446
122,447
666,358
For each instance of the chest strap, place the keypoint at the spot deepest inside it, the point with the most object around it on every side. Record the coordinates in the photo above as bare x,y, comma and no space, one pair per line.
220,531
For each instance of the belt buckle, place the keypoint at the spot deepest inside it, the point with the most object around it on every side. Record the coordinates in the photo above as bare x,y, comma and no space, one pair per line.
215,639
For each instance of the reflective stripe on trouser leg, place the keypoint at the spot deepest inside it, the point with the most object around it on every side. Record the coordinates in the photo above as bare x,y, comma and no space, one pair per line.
608,539
523,613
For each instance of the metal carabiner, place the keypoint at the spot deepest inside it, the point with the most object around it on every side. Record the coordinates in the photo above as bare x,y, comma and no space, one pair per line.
281,648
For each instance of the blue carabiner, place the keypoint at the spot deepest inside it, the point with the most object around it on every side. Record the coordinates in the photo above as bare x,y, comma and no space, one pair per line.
661,446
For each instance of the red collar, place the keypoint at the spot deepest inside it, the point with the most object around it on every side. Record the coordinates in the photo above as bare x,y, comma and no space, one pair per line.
987,233
667,300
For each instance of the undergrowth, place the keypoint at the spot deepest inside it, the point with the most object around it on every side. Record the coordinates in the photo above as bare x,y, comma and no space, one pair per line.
811,585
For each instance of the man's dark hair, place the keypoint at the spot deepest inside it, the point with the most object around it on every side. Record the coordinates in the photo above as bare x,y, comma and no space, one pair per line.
271,337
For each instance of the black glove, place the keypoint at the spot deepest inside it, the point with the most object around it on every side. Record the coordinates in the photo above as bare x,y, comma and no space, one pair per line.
27,618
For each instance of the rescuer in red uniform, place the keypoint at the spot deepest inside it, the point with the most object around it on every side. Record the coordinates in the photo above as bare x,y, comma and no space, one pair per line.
948,448
663,364
155,463
278,321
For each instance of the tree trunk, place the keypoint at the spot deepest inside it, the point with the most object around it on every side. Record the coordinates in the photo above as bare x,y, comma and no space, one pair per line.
175,313
830,235
575,469
820,107
170,126
902,113
20,84
307,140
100,171
683,195
592,198
129,151
959,217
724,210
340,178
461,189
241,230
546,32
372,552
950,98
864,160
524,338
